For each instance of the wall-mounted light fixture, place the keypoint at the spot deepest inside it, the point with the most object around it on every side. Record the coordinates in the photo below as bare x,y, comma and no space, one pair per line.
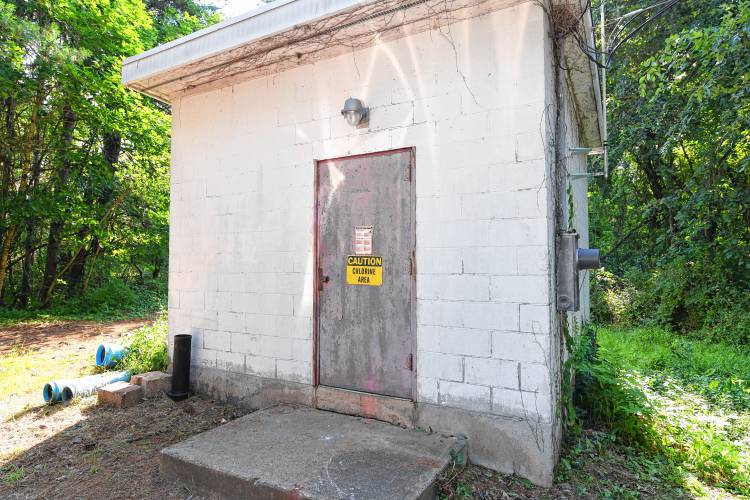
355,113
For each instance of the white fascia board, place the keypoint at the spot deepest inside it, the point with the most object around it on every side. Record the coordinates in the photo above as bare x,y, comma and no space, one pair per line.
257,24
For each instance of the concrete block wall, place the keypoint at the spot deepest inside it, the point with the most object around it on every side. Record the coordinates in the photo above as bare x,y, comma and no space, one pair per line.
471,99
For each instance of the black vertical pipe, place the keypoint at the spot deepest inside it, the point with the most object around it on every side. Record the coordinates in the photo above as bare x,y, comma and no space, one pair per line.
181,368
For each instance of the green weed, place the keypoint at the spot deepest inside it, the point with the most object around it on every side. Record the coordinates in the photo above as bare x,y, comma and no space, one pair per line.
685,400
112,301
147,348
16,474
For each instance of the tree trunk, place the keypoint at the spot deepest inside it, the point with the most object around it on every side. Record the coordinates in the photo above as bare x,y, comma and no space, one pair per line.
56,227
76,271
111,146
24,292
157,268
28,158
27,268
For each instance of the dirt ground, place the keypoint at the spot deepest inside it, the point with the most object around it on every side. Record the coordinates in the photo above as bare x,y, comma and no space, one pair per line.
86,451
44,335
81,450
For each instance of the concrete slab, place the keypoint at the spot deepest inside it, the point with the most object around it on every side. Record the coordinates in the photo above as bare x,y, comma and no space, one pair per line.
299,452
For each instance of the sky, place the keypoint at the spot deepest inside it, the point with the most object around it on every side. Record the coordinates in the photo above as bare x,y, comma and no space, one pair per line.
231,8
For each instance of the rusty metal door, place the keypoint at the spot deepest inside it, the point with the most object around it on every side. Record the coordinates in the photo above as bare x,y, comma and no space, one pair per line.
365,250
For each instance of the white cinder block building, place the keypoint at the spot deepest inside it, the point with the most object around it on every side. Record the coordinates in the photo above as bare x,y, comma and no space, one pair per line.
403,268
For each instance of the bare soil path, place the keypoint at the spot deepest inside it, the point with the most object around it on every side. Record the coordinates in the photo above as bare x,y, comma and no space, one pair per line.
81,450
35,336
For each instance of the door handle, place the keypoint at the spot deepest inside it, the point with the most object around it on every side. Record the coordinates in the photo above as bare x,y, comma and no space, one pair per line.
322,279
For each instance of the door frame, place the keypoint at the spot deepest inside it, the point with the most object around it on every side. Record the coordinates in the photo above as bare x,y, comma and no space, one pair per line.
316,263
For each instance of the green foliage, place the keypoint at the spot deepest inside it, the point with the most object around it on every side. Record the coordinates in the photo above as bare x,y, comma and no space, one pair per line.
84,163
683,399
147,348
14,475
111,301
672,220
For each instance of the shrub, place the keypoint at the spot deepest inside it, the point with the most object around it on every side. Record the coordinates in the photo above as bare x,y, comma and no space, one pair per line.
114,294
684,297
611,298
686,399
147,348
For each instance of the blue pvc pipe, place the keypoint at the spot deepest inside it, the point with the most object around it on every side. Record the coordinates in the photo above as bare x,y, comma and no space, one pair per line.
52,391
107,355
86,386
65,390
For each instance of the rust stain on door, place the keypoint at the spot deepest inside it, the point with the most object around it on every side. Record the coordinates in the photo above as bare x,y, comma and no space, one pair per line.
365,333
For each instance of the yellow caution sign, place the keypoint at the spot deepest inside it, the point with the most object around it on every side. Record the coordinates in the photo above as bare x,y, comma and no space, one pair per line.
364,270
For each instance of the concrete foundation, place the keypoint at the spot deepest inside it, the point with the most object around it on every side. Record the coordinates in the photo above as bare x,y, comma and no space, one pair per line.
509,445
297,452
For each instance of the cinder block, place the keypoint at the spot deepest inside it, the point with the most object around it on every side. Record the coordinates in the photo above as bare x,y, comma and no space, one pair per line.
427,390
534,289
230,361
313,131
506,177
520,347
454,287
533,259
468,396
152,383
493,372
438,260
216,340
534,318
440,366
462,341
293,371
489,260
260,366
437,108
120,395
395,115
535,378
514,232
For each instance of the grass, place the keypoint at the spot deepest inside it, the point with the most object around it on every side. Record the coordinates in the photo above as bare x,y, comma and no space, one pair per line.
110,302
14,475
683,403
23,374
659,415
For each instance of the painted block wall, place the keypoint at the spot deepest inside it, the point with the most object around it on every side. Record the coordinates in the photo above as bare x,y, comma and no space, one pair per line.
471,98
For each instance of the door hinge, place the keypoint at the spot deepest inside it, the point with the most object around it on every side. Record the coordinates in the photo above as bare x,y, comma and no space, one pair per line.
407,174
410,362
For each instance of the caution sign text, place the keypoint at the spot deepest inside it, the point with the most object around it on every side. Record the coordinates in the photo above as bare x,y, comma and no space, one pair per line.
364,270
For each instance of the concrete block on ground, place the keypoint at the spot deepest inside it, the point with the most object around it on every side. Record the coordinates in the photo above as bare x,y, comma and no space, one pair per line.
152,383
120,395
293,452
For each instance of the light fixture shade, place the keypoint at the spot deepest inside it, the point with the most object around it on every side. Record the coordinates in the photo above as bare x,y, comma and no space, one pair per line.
354,112
353,117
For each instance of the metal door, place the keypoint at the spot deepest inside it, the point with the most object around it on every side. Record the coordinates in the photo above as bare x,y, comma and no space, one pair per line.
365,320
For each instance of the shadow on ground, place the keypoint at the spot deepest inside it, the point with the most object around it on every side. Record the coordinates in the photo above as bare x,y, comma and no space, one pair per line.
107,452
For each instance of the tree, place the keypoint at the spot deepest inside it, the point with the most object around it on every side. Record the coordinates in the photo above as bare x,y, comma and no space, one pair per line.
675,217
83,161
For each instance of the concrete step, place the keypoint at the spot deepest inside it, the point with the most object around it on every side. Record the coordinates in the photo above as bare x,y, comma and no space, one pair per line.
298,452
